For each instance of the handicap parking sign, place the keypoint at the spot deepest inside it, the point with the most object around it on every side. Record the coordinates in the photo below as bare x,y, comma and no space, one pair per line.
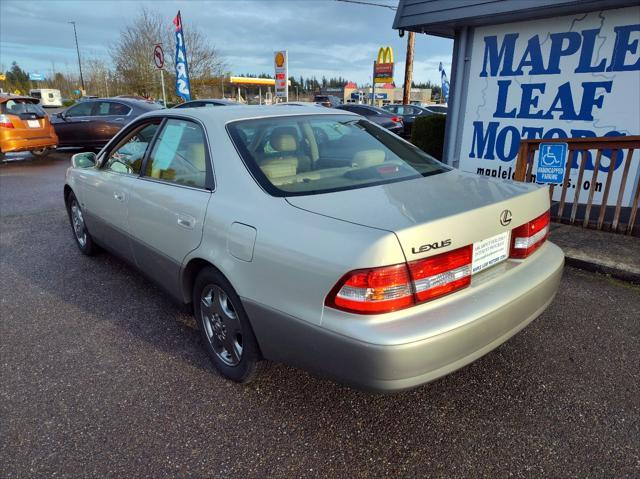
552,159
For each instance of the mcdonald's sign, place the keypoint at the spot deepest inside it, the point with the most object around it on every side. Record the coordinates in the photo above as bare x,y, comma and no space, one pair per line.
383,71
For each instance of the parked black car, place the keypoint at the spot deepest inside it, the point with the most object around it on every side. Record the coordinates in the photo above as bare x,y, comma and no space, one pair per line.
330,101
92,123
377,115
209,102
409,114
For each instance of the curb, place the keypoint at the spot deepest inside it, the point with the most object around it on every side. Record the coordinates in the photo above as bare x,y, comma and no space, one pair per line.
627,276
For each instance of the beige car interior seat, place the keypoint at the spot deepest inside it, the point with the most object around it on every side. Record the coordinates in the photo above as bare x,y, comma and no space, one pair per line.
286,160
366,158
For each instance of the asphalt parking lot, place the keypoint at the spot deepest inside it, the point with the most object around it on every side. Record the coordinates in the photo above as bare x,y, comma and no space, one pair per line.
102,376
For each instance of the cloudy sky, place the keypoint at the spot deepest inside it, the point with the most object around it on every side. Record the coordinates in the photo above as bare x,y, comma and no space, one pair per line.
324,37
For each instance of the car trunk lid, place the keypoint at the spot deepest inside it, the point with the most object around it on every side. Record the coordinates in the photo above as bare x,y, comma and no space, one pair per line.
434,214
25,114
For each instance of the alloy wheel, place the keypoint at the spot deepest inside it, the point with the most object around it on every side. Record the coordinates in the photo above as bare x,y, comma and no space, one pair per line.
78,223
221,324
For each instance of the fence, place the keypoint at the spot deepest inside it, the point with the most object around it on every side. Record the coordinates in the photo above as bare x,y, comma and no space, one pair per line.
617,219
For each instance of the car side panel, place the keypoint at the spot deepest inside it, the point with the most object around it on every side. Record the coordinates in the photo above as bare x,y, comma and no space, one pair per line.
104,198
298,256
165,222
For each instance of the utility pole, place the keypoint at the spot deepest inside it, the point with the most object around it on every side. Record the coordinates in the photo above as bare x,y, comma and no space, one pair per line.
408,70
75,33
373,84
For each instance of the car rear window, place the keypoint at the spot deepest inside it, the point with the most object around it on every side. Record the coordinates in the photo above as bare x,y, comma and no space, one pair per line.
312,154
20,106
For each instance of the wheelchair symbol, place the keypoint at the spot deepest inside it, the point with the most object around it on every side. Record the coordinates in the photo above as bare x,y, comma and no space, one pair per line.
549,158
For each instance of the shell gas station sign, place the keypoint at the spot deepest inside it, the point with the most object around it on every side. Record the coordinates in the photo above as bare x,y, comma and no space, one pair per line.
281,63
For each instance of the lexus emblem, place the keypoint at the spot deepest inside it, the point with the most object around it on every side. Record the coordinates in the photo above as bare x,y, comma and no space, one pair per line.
505,217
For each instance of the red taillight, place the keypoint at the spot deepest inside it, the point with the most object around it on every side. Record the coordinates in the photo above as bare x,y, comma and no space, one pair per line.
5,122
390,288
441,274
527,238
397,119
374,290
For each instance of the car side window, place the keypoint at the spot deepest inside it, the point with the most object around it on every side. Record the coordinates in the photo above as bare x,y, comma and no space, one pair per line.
118,109
128,155
191,104
81,109
179,155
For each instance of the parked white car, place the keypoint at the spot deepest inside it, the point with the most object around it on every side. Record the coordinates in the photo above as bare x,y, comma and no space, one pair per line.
315,237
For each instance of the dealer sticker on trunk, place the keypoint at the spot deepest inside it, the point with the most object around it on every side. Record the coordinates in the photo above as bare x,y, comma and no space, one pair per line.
490,251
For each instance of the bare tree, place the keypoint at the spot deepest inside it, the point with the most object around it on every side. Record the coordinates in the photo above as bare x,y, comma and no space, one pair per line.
132,54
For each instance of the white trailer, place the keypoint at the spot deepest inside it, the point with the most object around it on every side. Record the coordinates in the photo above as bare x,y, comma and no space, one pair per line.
47,96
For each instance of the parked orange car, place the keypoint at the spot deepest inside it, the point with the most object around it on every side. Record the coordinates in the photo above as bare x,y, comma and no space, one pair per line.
24,126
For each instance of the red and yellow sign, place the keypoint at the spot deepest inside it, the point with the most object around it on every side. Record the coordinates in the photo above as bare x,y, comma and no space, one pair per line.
383,71
281,74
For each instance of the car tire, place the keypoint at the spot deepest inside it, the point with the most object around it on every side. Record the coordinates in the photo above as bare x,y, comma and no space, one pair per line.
84,240
41,153
224,326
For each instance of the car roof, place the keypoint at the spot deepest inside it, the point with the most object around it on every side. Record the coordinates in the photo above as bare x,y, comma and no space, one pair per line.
5,98
126,101
246,112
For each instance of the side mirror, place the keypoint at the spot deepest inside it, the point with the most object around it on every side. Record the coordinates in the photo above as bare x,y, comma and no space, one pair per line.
86,159
60,115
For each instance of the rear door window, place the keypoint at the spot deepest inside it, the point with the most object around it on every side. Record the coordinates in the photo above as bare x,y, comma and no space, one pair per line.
191,104
179,155
119,109
110,108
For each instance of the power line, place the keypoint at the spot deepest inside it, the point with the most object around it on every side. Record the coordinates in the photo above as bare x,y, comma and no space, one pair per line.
371,4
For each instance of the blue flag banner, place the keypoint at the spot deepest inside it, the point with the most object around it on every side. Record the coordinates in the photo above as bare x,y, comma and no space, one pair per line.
444,83
183,88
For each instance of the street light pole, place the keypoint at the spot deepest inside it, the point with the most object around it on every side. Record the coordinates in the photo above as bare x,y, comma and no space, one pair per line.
75,33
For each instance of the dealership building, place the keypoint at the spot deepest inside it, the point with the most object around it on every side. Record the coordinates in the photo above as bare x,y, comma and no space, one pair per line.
536,69
384,94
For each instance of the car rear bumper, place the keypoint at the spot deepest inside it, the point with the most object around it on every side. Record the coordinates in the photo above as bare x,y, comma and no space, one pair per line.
8,145
481,320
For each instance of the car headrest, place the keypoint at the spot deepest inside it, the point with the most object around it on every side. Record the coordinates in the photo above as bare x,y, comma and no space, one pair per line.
365,158
283,139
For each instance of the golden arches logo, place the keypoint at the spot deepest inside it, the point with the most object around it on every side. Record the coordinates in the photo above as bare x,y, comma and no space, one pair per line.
383,68
385,55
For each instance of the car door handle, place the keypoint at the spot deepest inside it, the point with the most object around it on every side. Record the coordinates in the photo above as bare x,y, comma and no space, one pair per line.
118,196
119,119
186,221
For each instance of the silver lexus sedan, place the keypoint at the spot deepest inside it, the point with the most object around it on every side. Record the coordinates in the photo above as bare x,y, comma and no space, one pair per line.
317,238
